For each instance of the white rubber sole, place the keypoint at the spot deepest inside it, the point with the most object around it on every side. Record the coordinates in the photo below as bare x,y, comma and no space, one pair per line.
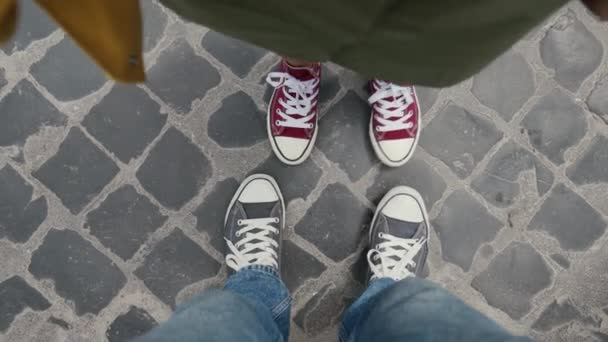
244,185
383,158
401,190
274,146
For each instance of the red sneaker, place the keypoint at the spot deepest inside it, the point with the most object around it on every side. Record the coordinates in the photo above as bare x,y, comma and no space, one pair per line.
293,111
393,127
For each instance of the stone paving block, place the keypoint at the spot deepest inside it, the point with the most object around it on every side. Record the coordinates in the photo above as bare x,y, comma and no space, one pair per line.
307,175
238,56
15,296
154,22
560,50
329,87
459,138
297,266
237,123
598,99
125,121
513,278
77,172
427,97
180,76
23,112
505,85
555,124
130,325
211,213
337,218
600,336
344,136
20,214
82,275
67,72
175,170
3,80
416,173
561,260
322,310
592,167
463,225
33,24
560,312
124,221
498,183
570,219
174,263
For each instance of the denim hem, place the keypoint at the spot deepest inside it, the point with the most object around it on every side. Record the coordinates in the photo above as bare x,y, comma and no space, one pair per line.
262,268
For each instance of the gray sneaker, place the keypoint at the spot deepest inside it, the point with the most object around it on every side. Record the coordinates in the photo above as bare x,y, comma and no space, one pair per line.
253,224
398,235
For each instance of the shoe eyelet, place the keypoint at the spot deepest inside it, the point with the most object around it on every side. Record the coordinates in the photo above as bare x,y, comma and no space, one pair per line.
311,125
278,123
377,247
276,220
380,235
237,234
239,222
377,128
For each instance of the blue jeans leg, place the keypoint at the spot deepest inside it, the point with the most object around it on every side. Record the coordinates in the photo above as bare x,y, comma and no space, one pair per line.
416,310
254,307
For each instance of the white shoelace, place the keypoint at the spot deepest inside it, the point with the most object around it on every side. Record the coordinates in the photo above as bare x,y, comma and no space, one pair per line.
395,108
301,98
391,257
256,247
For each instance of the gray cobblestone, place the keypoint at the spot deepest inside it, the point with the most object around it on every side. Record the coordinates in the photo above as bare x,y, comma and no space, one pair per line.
189,75
124,221
567,217
81,274
465,139
513,277
568,34
78,172
237,55
15,296
174,263
125,122
554,124
505,85
237,123
174,178
463,225
23,112
20,214
33,25
67,72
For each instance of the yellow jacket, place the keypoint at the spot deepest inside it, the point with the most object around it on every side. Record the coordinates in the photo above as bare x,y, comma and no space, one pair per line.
110,31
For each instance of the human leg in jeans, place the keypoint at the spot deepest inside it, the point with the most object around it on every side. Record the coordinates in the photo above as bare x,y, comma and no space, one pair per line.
399,306
254,305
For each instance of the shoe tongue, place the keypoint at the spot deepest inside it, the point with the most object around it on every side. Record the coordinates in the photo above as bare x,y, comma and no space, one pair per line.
402,229
258,210
301,73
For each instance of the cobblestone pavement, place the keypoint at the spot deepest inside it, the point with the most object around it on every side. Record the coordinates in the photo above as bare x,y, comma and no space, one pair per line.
111,197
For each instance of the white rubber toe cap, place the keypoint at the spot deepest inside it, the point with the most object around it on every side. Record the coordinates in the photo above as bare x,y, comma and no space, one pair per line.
292,149
258,190
397,150
404,207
